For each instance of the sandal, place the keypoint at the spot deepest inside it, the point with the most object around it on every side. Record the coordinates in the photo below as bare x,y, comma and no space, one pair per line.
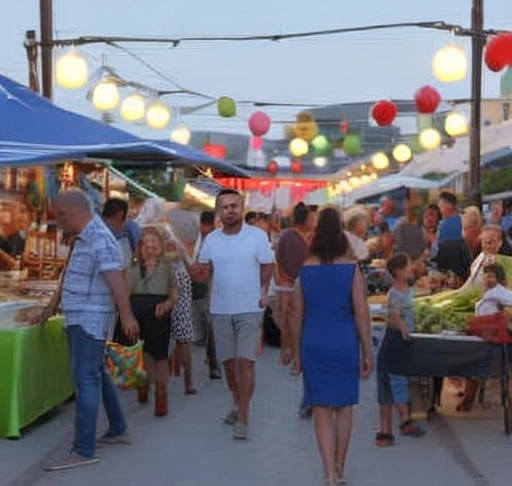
384,440
410,428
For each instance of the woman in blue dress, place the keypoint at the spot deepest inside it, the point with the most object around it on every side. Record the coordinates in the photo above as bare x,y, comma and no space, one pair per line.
331,339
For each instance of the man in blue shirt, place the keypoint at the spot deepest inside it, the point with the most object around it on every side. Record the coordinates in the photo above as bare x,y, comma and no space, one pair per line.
450,227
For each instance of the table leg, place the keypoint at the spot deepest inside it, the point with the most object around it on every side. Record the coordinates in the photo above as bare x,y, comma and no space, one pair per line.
505,392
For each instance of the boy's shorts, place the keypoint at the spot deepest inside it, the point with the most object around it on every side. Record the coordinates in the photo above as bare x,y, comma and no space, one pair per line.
392,389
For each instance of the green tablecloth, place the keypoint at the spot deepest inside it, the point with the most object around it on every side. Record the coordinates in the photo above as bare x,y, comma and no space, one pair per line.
35,374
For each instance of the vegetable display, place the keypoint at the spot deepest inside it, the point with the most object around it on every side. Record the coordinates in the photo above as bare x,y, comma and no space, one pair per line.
448,311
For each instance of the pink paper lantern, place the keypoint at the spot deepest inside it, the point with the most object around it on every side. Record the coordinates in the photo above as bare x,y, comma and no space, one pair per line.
257,143
259,123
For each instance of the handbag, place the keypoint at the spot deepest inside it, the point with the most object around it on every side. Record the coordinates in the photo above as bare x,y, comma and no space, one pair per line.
126,364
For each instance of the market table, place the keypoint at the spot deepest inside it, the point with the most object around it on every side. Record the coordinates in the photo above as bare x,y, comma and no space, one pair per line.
445,355
35,374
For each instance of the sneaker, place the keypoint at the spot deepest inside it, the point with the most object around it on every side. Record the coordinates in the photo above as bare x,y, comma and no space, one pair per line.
241,431
215,374
70,462
115,439
231,417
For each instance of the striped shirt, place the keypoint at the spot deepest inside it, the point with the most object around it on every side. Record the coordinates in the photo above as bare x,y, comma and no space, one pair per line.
86,297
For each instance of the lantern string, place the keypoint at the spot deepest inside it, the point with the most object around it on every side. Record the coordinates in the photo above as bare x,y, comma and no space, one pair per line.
175,42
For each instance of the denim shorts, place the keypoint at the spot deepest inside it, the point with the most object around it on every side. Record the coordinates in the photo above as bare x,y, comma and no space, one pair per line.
392,389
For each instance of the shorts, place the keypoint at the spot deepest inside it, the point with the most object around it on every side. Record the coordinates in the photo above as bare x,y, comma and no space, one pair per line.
392,389
237,335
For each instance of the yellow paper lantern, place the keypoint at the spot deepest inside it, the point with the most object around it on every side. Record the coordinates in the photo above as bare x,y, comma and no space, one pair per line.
133,108
71,70
380,161
298,147
402,153
430,138
354,182
450,64
455,125
105,96
158,115
181,134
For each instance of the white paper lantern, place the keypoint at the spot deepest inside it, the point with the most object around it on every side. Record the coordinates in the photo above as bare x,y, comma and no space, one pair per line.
158,115
133,108
320,161
181,134
402,153
105,96
450,64
299,147
71,70
380,161
430,138
456,125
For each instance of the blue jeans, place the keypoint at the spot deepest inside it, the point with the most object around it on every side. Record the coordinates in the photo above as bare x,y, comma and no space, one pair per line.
92,382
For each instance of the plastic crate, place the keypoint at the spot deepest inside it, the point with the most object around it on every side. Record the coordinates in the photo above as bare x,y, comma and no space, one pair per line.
492,328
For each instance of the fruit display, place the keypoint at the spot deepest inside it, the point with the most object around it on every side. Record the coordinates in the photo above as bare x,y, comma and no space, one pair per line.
446,311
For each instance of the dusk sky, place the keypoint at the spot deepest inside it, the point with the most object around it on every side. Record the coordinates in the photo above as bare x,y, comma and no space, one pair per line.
345,68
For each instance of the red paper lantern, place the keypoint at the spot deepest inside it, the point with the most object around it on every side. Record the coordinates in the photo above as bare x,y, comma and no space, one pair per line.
259,123
296,167
427,99
272,167
498,52
344,126
384,113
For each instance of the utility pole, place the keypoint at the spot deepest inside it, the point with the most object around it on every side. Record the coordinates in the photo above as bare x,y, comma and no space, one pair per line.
46,26
477,48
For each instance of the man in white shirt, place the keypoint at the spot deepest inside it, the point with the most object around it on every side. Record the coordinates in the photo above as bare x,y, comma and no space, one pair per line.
241,262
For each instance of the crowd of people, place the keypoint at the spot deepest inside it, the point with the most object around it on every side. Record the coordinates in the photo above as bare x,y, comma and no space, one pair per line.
313,275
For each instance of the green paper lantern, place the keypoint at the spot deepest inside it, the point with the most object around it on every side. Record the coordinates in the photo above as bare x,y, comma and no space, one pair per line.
321,145
352,145
226,107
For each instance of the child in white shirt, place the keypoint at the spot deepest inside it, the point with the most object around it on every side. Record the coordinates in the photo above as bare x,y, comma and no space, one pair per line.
496,294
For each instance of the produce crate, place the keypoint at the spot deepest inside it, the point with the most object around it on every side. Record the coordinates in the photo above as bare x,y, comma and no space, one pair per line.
492,328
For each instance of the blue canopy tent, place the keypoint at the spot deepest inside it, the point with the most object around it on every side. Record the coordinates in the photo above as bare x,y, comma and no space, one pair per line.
33,131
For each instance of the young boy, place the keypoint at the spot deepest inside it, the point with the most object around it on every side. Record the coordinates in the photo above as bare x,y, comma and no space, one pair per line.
393,390
496,295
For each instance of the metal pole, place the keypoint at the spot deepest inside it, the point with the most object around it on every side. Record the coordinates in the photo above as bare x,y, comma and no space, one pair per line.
477,45
46,26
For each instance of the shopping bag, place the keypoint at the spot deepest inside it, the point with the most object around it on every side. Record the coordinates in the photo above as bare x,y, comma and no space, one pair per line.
126,364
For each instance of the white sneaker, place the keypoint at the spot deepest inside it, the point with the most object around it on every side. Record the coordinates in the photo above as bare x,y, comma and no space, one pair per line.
241,431
231,417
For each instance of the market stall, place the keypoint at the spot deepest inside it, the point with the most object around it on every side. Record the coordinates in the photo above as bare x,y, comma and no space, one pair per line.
42,148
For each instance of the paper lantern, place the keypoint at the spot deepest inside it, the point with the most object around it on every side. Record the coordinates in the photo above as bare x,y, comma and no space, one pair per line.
306,127
384,113
71,70
427,99
299,147
456,125
402,153
320,162
430,138
259,123
158,115
181,134
498,52
344,126
296,166
321,145
352,145
105,96
450,64
380,161
226,107
133,108
272,167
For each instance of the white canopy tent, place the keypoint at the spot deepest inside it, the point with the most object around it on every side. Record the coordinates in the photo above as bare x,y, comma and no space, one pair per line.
495,138
385,185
